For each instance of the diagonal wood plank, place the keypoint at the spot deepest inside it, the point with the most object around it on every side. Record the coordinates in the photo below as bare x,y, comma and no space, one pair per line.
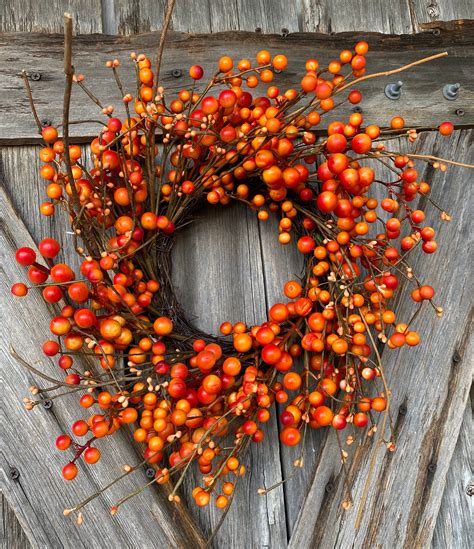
407,486
217,270
218,274
12,535
39,494
43,16
454,521
423,103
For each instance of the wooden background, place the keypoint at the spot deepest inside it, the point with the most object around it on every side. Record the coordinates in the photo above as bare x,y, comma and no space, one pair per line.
230,267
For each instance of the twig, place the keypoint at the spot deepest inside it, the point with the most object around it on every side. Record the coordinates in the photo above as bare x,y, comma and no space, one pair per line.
437,159
69,72
30,99
393,71
161,46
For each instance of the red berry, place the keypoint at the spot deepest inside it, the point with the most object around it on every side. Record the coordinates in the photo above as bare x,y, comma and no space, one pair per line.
446,128
25,256
19,289
70,471
49,247
196,72
290,436
63,442
91,455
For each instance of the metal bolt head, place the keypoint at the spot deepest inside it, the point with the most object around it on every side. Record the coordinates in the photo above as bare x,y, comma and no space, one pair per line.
47,404
46,122
393,90
35,76
450,91
177,73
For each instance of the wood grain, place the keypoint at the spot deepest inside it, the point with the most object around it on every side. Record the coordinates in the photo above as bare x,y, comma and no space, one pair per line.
454,522
422,104
429,11
269,16
12,535
407,488
45,16
38,496
391,17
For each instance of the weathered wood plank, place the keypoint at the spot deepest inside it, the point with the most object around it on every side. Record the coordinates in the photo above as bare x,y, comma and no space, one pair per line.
12,535
426,12
422,104
19,173
407,486
218,274
39,495
269,16
43,16
222,247
134,17
391,17
454,522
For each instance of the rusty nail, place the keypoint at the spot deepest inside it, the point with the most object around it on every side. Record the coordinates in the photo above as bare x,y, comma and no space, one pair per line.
177,73
14,473
394,90
450,91
150,472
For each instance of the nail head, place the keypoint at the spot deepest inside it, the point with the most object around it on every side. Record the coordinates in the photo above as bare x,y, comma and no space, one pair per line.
14,473
150,472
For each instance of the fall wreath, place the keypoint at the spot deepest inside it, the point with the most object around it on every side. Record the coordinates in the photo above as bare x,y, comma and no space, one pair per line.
184,392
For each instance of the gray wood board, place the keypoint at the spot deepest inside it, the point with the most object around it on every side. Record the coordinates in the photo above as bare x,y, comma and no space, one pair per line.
430,387
47,16
12,535
39,495
236,234
454,522
269,16
212,292
422,102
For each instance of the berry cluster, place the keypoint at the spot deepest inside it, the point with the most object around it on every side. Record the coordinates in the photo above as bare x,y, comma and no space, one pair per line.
185,393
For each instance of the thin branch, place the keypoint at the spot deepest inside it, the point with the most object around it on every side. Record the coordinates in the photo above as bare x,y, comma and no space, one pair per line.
161,46
30,99
69,72
437,159
393,71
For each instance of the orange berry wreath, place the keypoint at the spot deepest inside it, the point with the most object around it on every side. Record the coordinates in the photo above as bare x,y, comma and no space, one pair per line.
184,392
